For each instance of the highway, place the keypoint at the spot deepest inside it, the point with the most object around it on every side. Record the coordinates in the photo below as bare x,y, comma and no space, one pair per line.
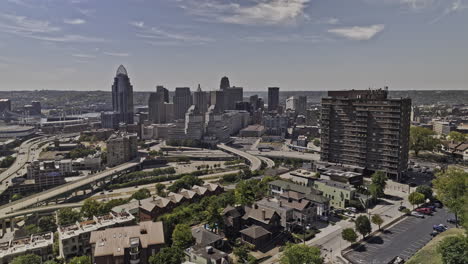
255,162
286,154
42,209
27,152
270,163
54,192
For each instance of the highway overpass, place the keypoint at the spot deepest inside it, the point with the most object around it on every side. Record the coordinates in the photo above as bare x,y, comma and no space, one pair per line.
255,162
286,154
66,188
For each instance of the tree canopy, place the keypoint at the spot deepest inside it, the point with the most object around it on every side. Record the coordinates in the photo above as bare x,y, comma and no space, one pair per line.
185,182
141,194
80,260
300,253
425,190
379,181
168,255
27,259
377,220
454,250
422,138
363,225
349,235
451,188
457,136
68,216
182,236
416,198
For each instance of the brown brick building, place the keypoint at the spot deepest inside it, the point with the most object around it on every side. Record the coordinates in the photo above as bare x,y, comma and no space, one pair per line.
365,128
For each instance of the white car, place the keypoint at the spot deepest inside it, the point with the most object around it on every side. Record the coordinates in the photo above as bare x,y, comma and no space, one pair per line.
351,209
349,214
417,214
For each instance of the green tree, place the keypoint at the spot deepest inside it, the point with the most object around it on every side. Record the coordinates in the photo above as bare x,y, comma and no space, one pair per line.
16,197
141,194
454,250
425,190
214,217
185,182
90,208
246,192
68,216
457,136
182,236
168,255
242,253
7,162
32,229
50,262
363,225
377,220
416,198
80,260
379,181
316,142
160,189
47,224
422,139
300,253
27,259
349,235
451,188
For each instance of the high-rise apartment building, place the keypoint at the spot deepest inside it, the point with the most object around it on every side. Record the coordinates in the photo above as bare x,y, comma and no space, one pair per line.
5,105
165,93
122,96
217,99
121,147
301,105
273,98
291,103
182,101
365,128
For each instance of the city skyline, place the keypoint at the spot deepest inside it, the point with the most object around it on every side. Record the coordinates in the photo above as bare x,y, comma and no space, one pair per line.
296,45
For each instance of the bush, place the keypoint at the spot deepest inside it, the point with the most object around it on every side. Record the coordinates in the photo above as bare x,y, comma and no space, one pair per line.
7,162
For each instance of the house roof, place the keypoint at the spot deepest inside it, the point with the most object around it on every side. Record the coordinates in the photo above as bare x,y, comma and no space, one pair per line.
204,237
114,241
255,231
264,215
231,211
291,186
175,197
211,186
188,193
200,190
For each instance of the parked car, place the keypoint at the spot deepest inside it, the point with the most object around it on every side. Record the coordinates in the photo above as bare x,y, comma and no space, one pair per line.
438,204
424,210
439,228
452,220
434,233
401,208
397,260
351,209
412,184
349,214
417,214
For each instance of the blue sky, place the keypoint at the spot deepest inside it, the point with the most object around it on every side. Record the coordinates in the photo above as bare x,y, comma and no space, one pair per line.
293,44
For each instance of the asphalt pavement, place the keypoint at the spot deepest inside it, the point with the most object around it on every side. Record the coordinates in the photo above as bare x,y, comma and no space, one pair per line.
403,239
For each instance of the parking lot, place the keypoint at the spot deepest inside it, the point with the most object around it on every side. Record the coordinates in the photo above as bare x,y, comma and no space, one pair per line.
403,239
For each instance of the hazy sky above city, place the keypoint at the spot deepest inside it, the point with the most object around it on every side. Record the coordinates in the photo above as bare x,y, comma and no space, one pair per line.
293,44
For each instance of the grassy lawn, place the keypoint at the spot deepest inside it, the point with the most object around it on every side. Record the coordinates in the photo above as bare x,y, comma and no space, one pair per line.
428,254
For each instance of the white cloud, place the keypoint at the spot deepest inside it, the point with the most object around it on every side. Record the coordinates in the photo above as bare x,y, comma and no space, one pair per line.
296,38
23,25
87,56
138,24
86,12
266,12
454,7
68,38
77,21
358,33
21,3
329,21
418,4
117,54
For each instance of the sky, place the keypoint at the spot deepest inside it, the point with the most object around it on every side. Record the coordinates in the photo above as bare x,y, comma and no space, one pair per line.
293,44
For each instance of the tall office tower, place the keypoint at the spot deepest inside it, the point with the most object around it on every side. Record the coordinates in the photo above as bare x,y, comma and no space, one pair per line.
224,83
5,105
160,89
301,105
232,96
312,116
200,100
122,96
254,102
182,101
273,98
156,108
217,99
194,124
365,128
36,106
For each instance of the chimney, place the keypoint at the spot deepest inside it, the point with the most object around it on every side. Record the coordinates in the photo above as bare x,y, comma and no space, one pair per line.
263,214
209,250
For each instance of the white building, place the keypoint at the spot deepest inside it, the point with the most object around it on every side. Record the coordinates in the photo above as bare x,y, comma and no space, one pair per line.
39,244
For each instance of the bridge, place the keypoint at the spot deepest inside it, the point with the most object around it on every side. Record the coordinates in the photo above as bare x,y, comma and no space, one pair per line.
270,163
67,188
255,162
287,154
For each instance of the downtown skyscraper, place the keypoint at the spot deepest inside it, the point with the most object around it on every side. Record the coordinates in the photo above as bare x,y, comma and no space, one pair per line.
122,96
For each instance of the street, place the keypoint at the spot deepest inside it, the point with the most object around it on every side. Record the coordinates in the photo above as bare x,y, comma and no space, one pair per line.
403,239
